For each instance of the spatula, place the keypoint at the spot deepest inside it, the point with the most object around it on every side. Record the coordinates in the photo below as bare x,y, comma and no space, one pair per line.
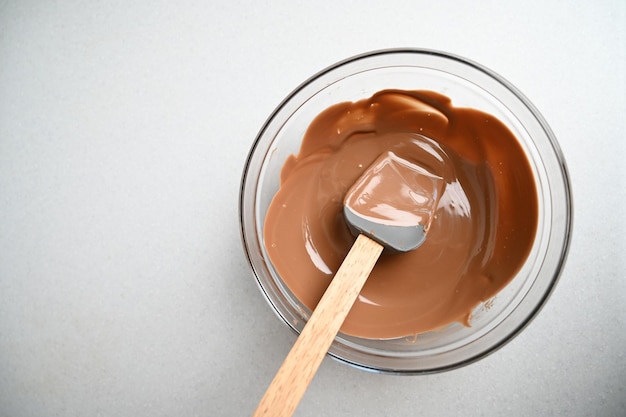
390,206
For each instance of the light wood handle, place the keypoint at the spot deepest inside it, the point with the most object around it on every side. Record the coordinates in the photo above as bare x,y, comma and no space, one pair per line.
292,379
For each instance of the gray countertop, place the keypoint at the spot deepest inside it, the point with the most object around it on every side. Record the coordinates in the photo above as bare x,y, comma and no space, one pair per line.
124,128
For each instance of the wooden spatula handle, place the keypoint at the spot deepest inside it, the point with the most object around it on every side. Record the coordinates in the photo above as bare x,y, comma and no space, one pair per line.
306,355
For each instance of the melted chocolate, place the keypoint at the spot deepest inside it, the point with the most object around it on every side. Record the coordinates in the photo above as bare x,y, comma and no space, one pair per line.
479,236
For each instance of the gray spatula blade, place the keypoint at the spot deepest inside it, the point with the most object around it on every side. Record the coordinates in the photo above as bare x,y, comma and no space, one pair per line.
397,238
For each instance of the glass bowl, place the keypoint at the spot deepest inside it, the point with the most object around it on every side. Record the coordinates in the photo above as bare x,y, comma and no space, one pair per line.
468,84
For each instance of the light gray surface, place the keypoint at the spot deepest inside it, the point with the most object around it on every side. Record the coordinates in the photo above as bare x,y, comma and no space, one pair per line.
124,127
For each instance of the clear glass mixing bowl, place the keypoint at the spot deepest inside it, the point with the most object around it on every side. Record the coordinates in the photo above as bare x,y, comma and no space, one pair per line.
468,84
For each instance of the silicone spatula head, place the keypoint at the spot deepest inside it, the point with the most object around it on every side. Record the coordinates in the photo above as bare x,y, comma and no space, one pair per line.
393,202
